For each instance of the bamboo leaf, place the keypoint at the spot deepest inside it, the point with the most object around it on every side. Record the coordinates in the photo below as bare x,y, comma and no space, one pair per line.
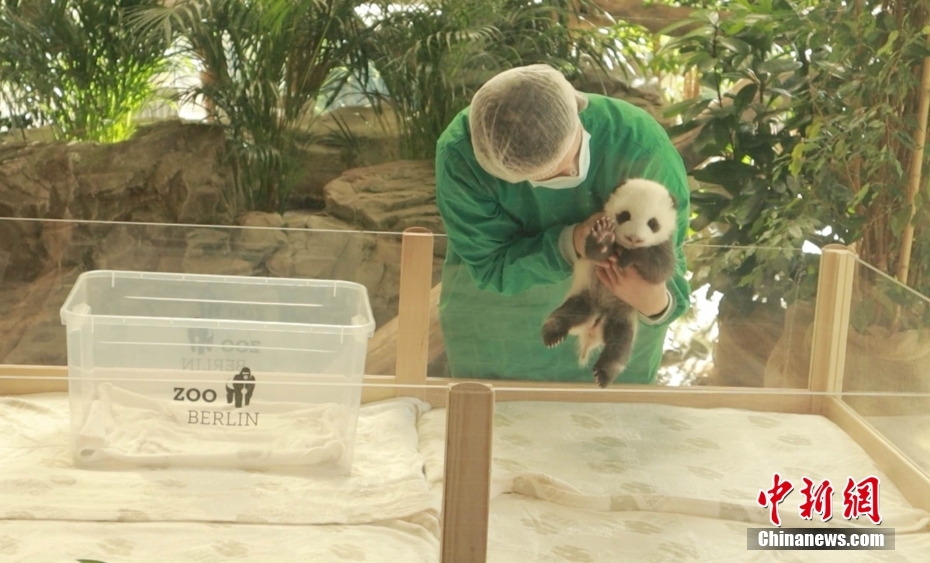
779,66
889,43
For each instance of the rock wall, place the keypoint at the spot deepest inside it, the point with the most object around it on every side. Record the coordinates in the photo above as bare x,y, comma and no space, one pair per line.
373,141
171,173
163,184
297,245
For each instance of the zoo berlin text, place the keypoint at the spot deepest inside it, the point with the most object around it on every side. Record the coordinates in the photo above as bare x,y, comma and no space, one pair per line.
238,389
859,499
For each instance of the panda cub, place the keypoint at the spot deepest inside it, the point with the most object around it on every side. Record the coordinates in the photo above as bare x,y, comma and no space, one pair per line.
639,225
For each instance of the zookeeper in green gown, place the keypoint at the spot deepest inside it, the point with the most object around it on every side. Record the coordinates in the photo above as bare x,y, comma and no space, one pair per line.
521,175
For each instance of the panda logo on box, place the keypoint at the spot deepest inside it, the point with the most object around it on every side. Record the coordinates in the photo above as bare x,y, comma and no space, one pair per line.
240,388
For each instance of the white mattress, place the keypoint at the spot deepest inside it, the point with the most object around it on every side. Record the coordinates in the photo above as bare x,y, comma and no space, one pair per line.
38,479
643,482
581,483
178,542
525,530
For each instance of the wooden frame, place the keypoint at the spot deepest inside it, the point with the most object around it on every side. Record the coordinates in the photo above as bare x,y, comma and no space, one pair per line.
468,444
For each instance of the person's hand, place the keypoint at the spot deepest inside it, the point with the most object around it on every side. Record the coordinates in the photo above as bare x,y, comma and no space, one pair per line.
649,299
581,232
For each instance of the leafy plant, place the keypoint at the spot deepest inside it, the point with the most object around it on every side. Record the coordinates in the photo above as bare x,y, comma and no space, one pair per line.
748,199
860,108
75,65
432,56
815,143
268,63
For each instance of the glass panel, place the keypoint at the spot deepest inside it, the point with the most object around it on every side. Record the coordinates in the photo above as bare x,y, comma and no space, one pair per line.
886,378
749,310
40,262
672,471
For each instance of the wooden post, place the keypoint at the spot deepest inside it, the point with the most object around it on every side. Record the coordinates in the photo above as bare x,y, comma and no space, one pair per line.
831,321
416,279
466,495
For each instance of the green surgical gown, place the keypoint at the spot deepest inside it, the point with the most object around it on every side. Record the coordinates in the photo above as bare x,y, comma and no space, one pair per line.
505,269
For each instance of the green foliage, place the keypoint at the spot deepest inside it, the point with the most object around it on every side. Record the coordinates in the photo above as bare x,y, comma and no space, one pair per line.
812,147
859,114
268,63
431,57
748,199
642,57
74,64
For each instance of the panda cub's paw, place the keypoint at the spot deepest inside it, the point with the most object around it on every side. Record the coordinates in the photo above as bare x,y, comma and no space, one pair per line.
553,334
605,375
599,244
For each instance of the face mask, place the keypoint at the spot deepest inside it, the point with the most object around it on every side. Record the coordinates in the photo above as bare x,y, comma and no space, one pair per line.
567,182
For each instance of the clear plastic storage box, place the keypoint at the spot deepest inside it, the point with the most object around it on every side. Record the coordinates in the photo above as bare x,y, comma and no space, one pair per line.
215,371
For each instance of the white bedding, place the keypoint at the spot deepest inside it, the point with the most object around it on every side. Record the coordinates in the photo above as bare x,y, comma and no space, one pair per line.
575,483
171,542
524,530
38,479
657,458
124,428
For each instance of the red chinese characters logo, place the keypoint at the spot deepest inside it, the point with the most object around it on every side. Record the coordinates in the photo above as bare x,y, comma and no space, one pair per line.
819,500
859,499
775,496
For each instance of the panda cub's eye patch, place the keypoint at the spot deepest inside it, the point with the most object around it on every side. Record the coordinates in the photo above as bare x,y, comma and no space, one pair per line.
623,217
653,224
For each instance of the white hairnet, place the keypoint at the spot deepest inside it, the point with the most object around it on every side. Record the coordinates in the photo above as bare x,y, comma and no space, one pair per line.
523,122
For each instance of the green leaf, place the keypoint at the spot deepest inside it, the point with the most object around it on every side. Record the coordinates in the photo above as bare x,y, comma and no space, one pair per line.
864,191
703,31
734,44
889,43
684,105
779,66
735,26
725,173
742,62
900,219
723,111
705,142
702,199
814,128
708,64
748,211
722,136
797,159
672,27
745,95
681,129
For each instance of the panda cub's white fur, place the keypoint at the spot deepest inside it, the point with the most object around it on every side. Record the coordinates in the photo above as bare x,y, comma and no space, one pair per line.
639,226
